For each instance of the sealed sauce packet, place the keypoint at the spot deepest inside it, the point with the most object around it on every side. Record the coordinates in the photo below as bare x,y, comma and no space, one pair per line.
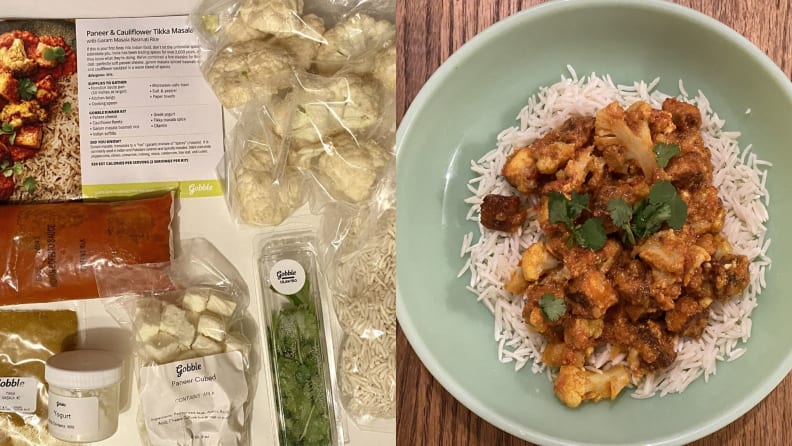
48,252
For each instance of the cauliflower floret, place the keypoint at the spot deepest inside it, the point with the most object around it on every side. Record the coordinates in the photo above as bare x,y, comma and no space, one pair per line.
243,71
8,87
350,168
237,30
664,250
583,168
573,385
39,55
520,171
352,39
279,17
335,105
304,45
258,199
628,133
552,157
15,58
536,260
385,68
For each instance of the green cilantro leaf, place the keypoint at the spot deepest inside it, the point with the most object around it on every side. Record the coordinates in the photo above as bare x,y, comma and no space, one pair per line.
557,207
552,307
17,168
620,211
67,107
678,213
7,129
662,192
56,54
577,205
664,152
26,88
30,184
563,210
663,205
591,234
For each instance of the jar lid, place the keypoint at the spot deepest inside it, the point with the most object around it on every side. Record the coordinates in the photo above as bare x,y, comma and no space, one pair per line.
84,369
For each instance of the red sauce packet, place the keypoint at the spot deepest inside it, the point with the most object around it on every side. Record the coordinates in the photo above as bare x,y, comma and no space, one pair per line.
49,252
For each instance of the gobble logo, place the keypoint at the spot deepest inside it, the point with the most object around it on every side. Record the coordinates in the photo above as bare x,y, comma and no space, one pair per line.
191,367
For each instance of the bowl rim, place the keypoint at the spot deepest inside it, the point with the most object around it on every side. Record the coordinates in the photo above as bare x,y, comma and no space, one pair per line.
446,69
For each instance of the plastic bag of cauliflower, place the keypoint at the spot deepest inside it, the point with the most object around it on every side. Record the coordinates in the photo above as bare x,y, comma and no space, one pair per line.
311,86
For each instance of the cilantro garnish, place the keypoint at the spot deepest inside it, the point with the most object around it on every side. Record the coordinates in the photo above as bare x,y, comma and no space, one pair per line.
552,307
30,184
590,234
298,361
664,152
8,169
621,213
648,215
57,54
66,107
26,88
7,129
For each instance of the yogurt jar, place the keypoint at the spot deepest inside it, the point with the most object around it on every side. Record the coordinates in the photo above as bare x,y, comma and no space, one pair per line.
84,387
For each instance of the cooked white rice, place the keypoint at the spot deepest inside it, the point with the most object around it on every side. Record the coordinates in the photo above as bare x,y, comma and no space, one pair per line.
739,175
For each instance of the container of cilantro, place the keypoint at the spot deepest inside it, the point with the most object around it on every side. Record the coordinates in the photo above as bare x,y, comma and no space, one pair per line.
298,333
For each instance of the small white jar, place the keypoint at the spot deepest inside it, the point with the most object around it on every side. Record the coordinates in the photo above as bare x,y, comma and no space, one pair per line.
84,387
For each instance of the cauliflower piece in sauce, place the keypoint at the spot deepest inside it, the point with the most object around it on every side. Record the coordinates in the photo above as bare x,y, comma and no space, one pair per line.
258,199
352,168
278,17
243,71
351,39
349,103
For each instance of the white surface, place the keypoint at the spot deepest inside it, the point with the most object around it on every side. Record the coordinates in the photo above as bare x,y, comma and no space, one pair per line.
198,217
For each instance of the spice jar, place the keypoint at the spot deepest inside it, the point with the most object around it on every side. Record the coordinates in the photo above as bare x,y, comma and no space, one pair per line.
84,387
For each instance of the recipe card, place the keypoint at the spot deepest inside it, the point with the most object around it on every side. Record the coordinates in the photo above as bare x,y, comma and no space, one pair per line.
148,119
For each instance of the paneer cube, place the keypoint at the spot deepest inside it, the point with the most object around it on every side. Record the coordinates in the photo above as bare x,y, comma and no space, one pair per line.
206,346
162,348
174,322
195,299
212,327
221,305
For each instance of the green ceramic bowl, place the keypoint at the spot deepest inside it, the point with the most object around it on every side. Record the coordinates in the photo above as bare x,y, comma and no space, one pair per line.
456,118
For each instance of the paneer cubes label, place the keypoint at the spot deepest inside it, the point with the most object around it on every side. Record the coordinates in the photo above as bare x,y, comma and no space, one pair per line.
201,398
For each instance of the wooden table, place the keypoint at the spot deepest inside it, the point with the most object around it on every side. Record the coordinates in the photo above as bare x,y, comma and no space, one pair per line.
429,31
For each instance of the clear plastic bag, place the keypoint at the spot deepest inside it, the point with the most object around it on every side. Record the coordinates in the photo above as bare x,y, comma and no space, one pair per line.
312,86
194,341
28,338
362,252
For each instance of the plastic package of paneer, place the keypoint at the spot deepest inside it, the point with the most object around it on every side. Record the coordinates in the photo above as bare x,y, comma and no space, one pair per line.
193,344
311,85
